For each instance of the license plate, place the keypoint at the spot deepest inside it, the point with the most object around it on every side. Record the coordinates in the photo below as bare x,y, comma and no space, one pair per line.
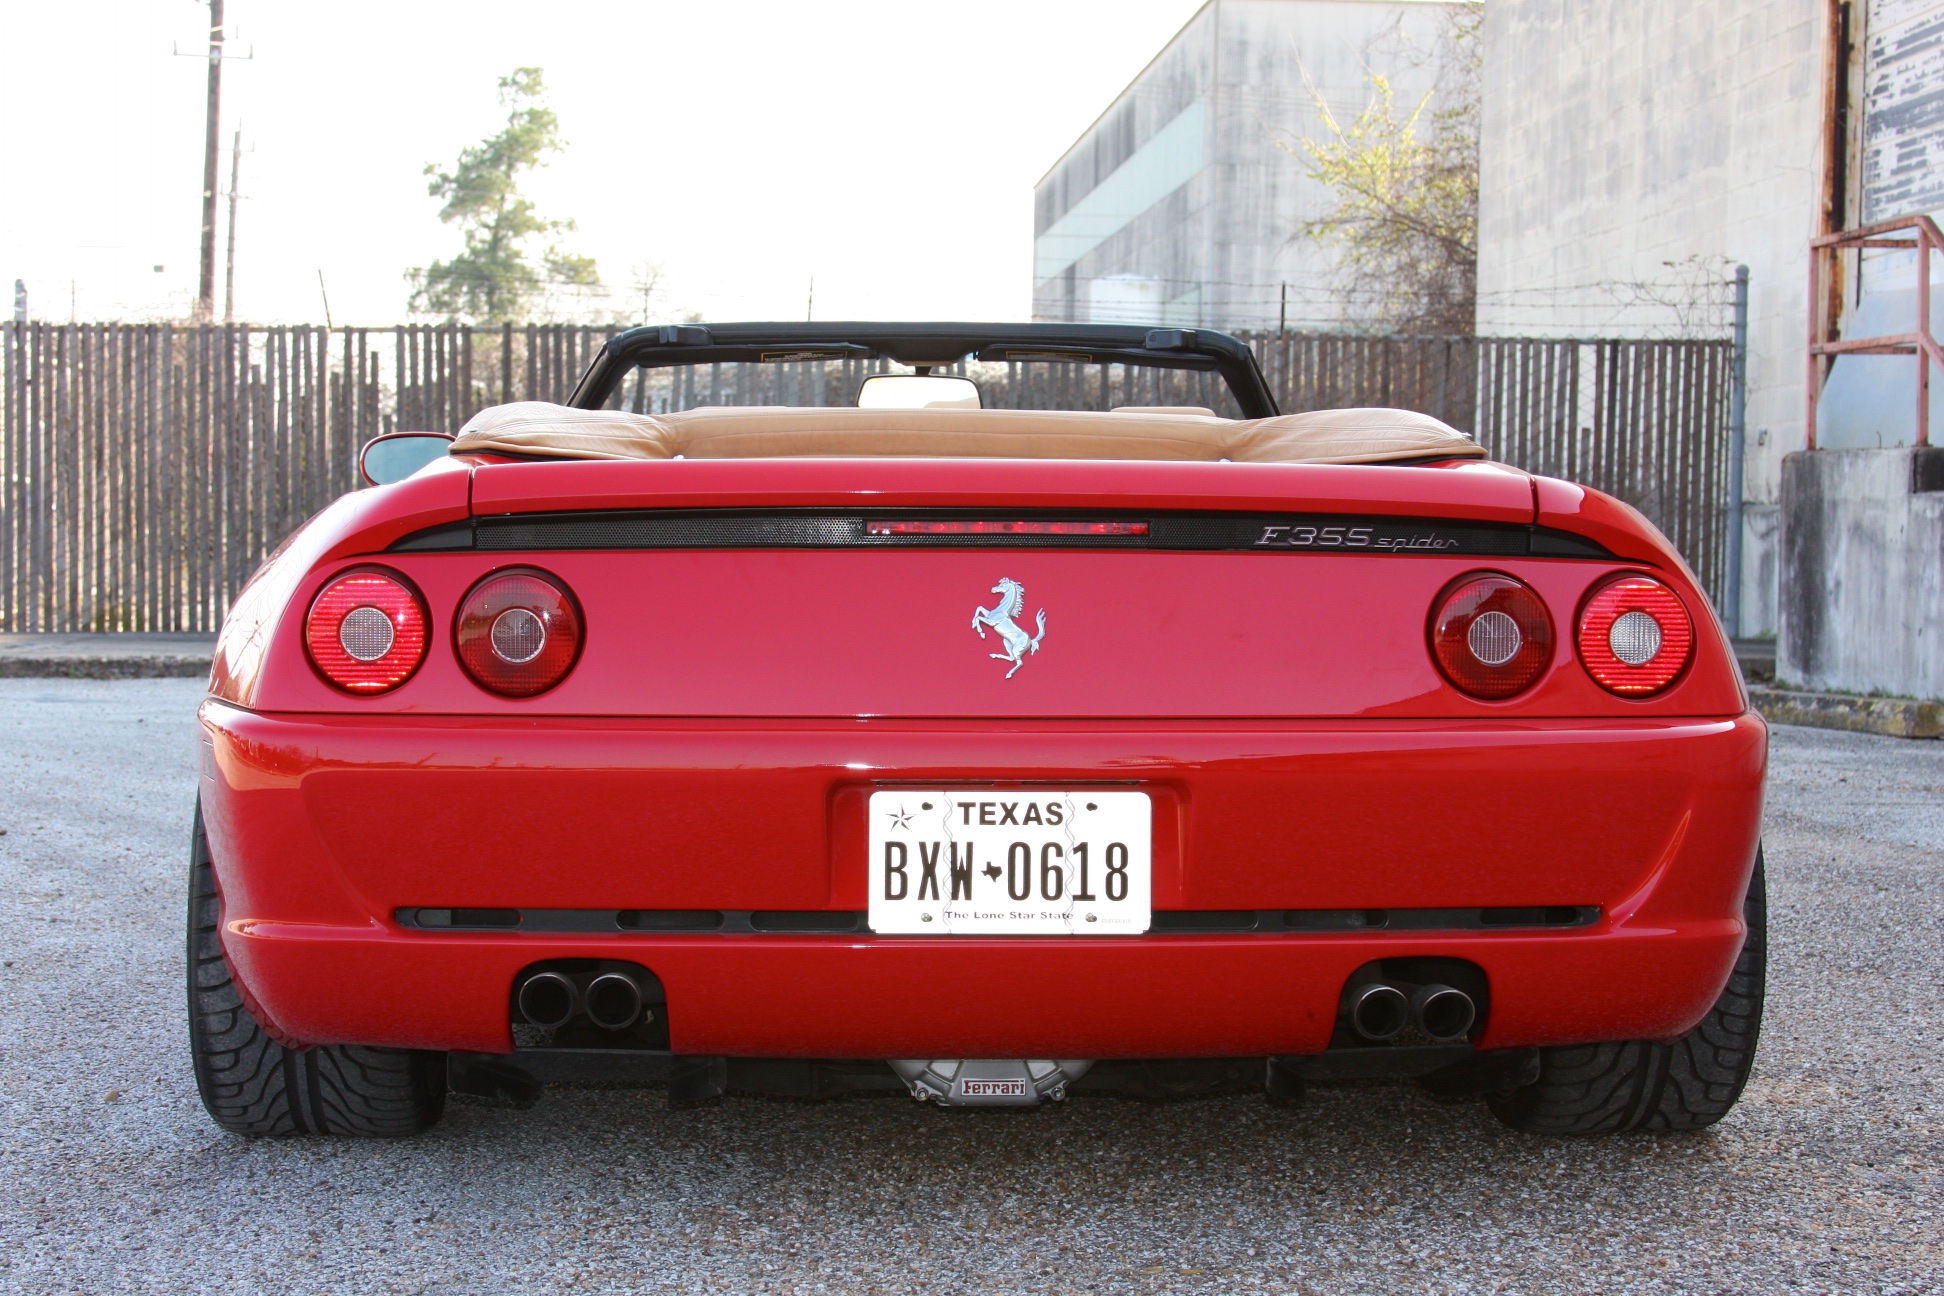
972,862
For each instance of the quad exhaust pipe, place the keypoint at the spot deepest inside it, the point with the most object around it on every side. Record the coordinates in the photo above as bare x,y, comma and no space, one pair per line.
1442,1012
613,1000
548,999
1379,1011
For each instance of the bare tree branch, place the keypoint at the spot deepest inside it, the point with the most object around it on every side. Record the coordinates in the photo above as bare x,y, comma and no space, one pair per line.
1405,221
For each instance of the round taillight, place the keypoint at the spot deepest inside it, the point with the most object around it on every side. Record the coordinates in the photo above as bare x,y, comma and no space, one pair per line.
518,633
366,631
1635,636
1491,635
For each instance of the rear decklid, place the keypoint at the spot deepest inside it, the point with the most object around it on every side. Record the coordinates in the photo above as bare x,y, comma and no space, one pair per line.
780,588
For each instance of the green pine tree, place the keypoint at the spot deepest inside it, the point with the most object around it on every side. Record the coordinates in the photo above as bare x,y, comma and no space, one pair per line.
496,277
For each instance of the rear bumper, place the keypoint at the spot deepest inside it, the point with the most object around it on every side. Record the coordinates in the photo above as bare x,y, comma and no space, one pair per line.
782,996
322,828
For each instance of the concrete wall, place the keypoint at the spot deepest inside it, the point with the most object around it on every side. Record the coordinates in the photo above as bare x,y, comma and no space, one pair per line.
1862,557
1178,206
1622,135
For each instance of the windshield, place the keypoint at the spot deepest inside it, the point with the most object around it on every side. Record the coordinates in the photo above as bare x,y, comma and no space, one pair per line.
1051,384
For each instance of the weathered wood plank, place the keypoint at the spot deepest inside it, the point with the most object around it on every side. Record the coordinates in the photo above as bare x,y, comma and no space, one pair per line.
146,469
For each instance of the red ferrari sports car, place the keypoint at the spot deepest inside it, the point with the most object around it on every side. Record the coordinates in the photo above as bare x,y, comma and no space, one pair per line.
989,713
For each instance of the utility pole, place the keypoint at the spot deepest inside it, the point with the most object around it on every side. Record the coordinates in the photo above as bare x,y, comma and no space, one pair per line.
229,257
212,149
810,302
20,301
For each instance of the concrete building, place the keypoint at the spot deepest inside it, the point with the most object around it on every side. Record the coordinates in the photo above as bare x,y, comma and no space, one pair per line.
1633,151
1182,203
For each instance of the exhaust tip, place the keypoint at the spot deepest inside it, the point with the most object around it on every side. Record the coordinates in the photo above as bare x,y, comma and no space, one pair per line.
1378,1011
1443,1013
548,999
613,1001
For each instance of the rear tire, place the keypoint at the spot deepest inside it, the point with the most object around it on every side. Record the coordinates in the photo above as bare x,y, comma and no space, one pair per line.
253,1085
1636,1085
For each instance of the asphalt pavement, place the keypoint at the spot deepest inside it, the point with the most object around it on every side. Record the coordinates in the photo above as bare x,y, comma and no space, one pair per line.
1829,1177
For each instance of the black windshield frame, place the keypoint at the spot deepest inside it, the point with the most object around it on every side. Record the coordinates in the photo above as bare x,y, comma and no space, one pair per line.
933,345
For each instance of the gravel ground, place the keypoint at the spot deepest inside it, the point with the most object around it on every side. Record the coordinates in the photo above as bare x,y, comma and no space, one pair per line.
1827,1178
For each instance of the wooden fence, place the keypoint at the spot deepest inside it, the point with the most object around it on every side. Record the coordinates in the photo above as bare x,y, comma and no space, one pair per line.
146,469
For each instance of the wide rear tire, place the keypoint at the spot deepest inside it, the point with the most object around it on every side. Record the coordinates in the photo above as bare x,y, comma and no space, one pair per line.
1636,1085
255,1086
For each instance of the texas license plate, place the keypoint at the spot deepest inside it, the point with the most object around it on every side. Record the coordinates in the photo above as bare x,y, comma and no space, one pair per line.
973,862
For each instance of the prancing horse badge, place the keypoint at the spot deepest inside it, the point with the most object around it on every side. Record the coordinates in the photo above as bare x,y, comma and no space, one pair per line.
1012,603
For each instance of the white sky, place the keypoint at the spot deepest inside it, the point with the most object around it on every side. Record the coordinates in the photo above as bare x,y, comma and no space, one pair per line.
888,149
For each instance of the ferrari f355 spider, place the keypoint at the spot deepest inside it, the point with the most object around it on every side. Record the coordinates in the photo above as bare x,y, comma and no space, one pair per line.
986,713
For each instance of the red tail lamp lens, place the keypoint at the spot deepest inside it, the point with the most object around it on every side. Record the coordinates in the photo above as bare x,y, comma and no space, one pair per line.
1635,636
518,633
1491,635
366,631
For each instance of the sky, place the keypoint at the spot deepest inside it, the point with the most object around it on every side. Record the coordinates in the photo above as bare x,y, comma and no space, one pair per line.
886,150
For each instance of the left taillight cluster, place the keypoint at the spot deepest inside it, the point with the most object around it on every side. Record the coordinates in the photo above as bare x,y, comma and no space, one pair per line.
1492,636
366,631
517,632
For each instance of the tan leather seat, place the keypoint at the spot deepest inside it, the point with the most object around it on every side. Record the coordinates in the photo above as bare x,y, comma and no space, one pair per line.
776,432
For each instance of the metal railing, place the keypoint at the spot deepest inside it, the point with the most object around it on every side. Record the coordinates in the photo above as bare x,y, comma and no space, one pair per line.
1924,238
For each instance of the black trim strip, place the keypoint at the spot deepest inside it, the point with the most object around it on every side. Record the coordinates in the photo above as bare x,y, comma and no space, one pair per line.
1188,922
1175,531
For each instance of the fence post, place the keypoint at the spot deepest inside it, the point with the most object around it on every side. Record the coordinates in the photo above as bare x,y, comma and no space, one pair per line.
1737,441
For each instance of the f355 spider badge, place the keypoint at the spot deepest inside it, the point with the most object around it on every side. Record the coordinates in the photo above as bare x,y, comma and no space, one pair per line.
1012,603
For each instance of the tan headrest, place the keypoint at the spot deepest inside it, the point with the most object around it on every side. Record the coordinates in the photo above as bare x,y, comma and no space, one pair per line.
781,432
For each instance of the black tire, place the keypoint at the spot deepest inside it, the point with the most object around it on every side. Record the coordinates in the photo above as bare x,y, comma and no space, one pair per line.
253,1085
1636,1085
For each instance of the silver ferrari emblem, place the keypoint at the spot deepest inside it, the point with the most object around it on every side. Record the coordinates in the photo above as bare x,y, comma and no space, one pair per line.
1012,603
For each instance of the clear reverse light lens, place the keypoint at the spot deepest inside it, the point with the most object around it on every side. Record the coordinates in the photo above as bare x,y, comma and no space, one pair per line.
1494,638
366,634
518,635
1635,638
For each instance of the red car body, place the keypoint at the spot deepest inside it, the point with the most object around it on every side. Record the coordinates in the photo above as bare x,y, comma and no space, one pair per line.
732,709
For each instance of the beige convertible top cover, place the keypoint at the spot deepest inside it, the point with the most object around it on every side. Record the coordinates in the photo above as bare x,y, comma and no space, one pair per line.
779,432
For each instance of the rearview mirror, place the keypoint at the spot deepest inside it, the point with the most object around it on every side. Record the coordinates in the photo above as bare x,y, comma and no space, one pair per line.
397,455
917,391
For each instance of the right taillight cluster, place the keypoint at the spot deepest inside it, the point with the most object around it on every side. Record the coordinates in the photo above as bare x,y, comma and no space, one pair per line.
1635,636
1492,636
517,633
